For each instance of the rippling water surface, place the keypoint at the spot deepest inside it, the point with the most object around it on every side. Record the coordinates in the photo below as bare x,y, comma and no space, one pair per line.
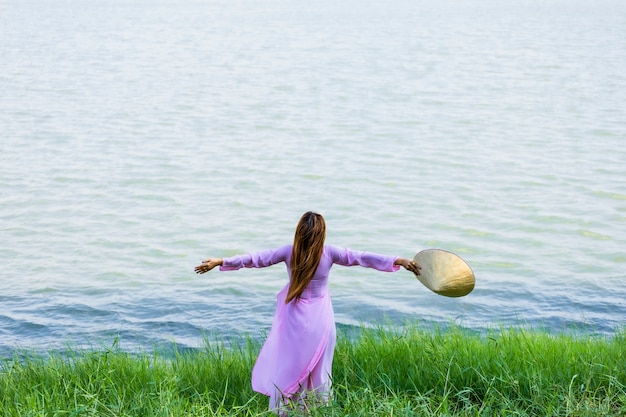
139,138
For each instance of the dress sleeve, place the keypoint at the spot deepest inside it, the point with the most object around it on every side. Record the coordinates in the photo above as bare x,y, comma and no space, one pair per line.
349,257
259,259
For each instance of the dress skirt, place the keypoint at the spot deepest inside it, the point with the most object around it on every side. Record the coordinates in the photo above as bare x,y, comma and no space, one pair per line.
297,356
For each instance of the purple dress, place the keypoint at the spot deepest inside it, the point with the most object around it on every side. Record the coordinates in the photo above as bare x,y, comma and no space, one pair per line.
297,356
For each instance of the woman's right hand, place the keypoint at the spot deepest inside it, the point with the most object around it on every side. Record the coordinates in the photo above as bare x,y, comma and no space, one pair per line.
409,265
209,264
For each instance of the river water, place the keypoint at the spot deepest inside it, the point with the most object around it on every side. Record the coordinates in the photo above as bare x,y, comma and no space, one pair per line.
139,138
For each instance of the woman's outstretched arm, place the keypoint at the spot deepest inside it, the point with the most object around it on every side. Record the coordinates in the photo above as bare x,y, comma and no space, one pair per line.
349,257
259,259
209,264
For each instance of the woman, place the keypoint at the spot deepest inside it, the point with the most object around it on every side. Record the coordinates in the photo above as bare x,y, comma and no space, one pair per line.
295,363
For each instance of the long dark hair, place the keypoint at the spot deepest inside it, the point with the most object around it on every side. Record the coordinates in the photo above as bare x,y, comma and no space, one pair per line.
308,245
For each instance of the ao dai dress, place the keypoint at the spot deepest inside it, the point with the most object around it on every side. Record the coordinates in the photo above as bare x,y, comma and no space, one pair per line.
297,356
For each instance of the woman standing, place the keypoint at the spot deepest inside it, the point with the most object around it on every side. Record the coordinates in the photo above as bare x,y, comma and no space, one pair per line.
295,363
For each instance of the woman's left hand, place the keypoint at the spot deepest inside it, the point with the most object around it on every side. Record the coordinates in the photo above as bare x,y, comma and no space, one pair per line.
207,265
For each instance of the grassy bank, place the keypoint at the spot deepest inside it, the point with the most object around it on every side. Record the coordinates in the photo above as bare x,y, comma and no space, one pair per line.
380,372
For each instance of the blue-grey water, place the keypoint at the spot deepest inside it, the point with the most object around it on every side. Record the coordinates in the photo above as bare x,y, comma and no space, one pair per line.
139,138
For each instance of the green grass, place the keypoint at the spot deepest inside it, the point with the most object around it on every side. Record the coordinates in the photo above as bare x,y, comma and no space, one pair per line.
413,371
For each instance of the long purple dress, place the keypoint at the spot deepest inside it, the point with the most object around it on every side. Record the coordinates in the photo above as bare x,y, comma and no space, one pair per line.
297,356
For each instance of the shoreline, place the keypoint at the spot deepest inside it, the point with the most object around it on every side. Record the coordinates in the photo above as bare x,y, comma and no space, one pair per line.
376,372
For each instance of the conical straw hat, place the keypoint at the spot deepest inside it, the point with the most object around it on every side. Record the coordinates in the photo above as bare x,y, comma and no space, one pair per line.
444,273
